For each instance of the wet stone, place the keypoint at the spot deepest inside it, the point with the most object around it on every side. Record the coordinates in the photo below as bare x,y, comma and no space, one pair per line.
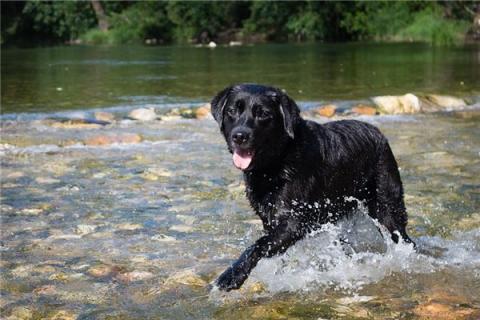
46,180
203,111
111,139
364,110
63,315
104,116
45,290
325,111
408,103
84,229
163,238
186,277
143,114
181,228
134,276
101,271
20,313
129,226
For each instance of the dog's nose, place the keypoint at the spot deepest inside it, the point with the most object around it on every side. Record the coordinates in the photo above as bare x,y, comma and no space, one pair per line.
240,137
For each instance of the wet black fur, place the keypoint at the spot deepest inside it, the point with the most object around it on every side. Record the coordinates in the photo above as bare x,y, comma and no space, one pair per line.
304,174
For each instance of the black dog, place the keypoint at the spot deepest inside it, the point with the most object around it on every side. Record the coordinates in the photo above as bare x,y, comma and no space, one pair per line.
300,174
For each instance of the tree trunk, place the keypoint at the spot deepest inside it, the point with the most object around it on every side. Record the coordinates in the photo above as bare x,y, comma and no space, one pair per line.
101,17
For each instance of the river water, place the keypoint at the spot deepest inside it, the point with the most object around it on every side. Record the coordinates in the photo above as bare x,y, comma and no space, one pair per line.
138,230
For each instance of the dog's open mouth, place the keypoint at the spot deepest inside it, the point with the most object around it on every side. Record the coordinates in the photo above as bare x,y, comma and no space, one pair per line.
242,158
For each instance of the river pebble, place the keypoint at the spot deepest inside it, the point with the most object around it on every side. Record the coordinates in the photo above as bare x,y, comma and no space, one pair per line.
134,276
186,277
104,116
327,110
143,114
20,313
63,315
100,271
163,238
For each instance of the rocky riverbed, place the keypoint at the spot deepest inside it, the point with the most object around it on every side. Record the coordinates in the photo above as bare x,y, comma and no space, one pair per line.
128,214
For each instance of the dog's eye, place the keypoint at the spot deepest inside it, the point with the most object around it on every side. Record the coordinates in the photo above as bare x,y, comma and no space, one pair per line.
263,114
231,111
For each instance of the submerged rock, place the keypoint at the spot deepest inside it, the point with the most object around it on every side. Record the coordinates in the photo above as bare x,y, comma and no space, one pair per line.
134,276
365,110
66,123
46,290
181,228
163,238
129,226
108,139
101,271
408,103
203,111
63,315
446,101
46,180
434,310
143,114
84,229
21,313
325,111
187,277
104,116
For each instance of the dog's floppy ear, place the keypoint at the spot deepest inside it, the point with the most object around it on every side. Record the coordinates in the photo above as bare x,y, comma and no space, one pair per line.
290,113
218,105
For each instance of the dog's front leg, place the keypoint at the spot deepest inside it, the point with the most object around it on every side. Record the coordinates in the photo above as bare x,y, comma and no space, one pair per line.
277,241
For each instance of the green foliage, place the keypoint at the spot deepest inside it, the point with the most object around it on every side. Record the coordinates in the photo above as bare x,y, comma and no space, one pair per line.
64,20
429,25
201,21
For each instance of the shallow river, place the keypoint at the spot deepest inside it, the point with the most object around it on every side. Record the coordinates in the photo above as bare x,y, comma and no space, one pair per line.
138,230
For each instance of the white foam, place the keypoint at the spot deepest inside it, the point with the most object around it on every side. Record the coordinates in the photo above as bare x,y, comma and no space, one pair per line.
321,261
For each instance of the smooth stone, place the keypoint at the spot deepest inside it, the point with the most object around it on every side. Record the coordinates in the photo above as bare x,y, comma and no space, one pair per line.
21,313
187,277
446,101
15,175
107,140
44,269
31,211
327,111
181,228
76,124
188,220
129,226
364,110
104,116
63,315
100,271
434,310
22,271
84,229
46,290
202,112
134,276
46,180
143,114
407,103
253,288
163,238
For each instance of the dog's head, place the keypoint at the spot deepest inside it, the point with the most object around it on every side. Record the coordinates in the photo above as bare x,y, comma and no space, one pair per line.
257,122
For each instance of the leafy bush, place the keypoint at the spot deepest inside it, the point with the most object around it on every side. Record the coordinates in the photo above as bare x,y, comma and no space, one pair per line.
429,25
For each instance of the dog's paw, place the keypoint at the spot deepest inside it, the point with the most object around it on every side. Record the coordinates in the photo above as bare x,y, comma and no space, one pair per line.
230,280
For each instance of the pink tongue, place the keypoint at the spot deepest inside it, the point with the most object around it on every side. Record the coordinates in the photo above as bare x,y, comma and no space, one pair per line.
242,159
